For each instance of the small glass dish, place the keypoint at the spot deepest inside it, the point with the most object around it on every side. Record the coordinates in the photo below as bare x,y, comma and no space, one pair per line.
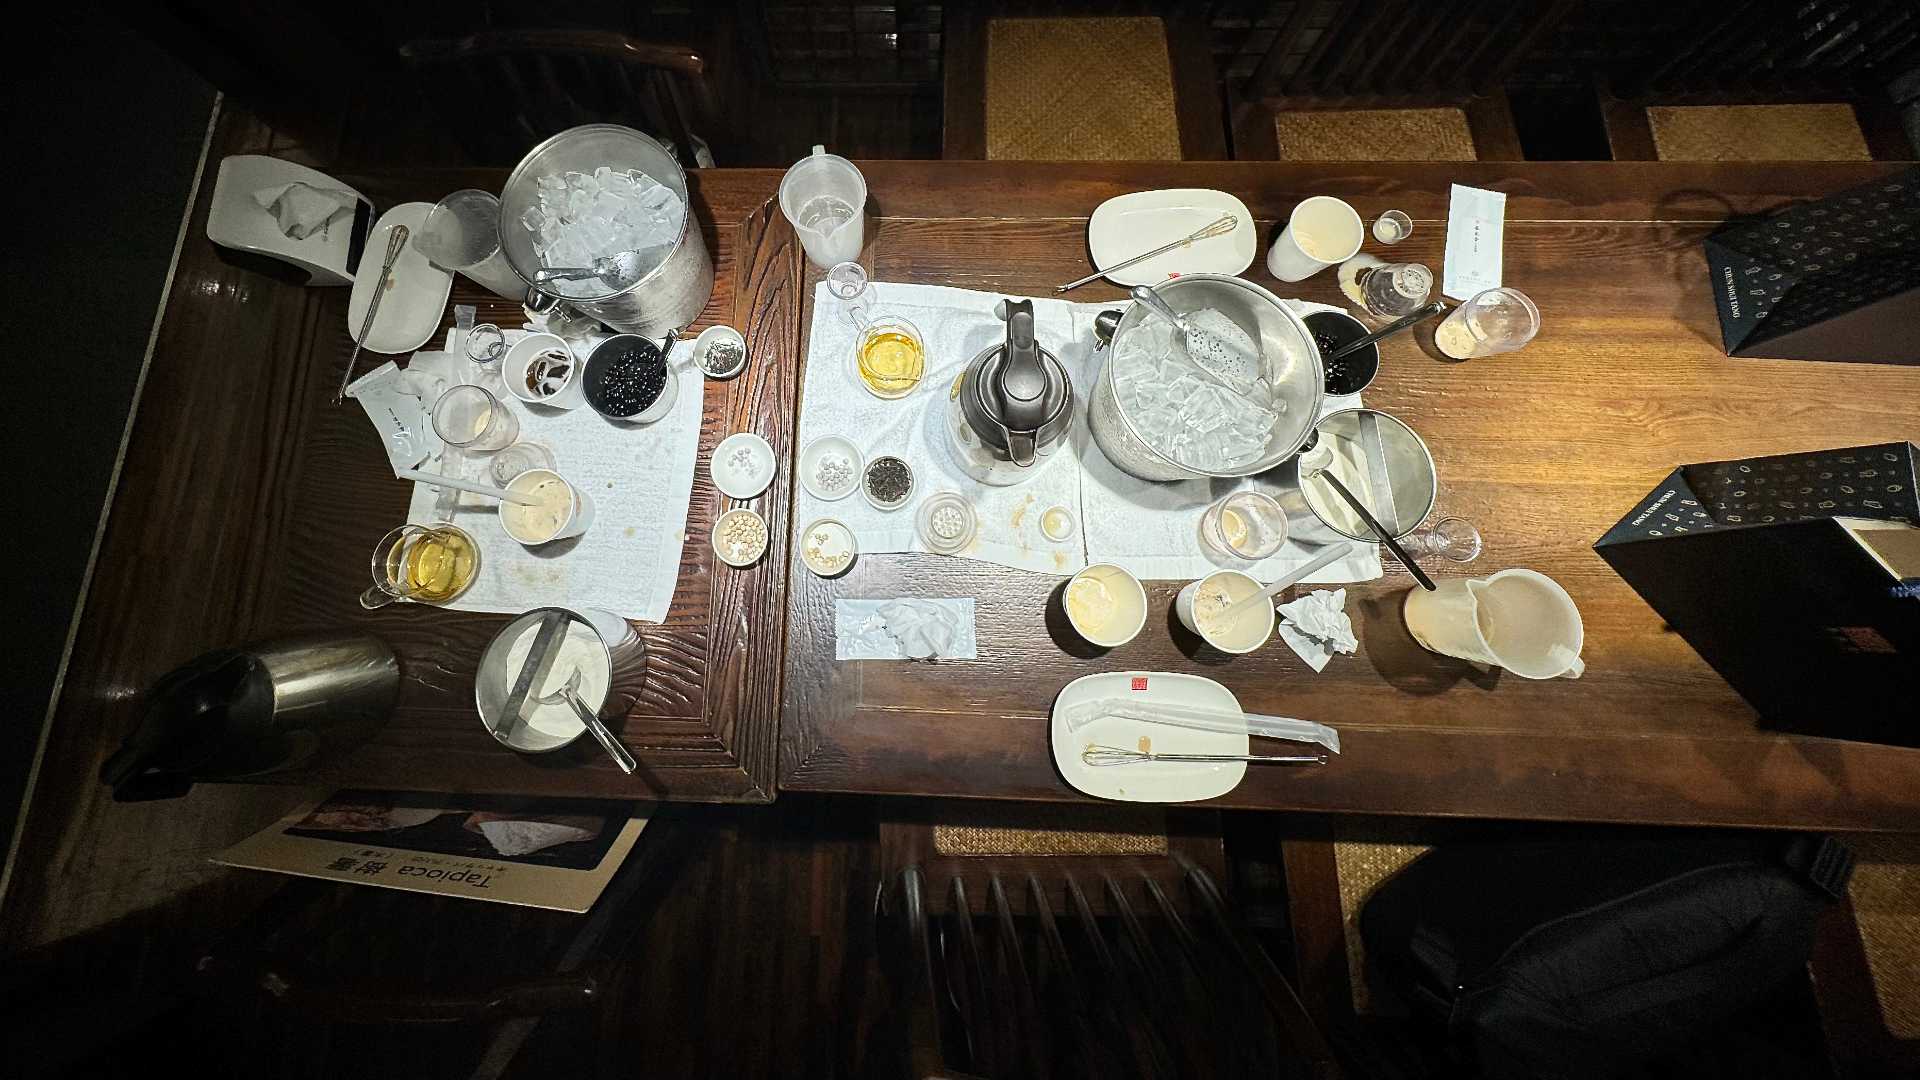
946,522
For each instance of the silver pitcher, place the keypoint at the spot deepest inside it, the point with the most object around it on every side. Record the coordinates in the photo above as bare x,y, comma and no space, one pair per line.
1012,406
670,294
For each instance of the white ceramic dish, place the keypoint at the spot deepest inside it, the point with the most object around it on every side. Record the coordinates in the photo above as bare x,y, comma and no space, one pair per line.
822,448
827,547
1126,225
410,313
747,477
913,484
1150,781
745,557
715,335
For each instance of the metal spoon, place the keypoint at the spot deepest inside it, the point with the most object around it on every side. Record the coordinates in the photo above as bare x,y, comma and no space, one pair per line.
396,243
618,270
1201,346
570,693
1404,322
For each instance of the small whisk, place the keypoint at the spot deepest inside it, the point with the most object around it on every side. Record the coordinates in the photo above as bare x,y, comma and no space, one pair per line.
1113,755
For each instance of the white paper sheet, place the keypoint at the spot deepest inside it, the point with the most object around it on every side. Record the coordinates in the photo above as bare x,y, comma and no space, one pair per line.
1476,230
640,479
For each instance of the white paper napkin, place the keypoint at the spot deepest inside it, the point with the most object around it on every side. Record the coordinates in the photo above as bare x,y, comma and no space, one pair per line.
913,628
640,479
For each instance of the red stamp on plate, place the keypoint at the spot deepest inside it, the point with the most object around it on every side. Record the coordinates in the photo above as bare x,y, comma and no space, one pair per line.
1139,682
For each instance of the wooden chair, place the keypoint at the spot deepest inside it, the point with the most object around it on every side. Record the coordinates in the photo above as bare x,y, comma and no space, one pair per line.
1135,85
1058,972
1387,80
504,91
1774,81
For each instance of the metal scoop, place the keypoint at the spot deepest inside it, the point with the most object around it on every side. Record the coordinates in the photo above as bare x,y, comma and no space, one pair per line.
569,692
616,271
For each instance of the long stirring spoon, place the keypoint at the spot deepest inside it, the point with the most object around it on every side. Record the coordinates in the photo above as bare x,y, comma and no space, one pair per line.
1386,538
1246,603
570,693
1404,322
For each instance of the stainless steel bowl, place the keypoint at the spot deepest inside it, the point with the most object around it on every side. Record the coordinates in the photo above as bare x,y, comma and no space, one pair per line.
1292,368
671,294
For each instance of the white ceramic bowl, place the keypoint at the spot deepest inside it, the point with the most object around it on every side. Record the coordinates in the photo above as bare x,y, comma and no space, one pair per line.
822,449
827,547
741,466
745,556
715,335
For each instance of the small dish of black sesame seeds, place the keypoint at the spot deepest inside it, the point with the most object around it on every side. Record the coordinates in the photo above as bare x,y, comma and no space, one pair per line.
887,482
628,379
720,352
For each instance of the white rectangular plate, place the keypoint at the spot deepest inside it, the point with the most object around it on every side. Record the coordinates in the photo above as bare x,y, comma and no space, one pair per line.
418,296
1126,225
1148,781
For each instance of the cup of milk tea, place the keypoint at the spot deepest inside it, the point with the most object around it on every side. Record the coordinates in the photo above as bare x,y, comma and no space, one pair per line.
560,510
1321,232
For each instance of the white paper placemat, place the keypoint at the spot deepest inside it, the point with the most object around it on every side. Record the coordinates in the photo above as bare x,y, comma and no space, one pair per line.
1151,529
640,479
956,324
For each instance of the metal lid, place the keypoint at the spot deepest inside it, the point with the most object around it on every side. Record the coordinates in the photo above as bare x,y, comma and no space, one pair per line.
1016,395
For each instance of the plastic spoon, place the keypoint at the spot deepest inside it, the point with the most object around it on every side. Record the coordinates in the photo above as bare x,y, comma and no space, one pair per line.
473,486
1334,553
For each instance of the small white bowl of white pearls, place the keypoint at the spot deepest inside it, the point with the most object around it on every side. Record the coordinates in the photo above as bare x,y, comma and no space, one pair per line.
830,467
741,466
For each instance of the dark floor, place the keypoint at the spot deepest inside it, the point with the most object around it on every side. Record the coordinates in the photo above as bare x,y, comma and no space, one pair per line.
133,142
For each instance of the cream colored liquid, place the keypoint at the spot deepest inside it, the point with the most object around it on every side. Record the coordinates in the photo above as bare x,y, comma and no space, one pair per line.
538,523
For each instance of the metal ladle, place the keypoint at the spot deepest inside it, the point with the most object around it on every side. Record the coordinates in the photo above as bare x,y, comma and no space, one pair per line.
570,693
616,271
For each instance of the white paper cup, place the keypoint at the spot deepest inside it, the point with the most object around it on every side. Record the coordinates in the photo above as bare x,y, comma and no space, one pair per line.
513,371
1249,629
1516,619
1129,612
1320,232
578,518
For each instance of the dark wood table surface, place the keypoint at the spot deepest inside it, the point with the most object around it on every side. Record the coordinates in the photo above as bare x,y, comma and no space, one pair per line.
1543,449
248,505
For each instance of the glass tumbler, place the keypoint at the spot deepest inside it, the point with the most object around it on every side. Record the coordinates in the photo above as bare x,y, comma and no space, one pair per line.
1245,525
470,418
1492,322
1451,538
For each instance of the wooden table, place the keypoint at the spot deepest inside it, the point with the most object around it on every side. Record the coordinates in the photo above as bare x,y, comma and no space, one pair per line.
1543,449
248,508
248,505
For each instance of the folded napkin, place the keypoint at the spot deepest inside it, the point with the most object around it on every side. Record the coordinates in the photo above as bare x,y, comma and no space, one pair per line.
300,209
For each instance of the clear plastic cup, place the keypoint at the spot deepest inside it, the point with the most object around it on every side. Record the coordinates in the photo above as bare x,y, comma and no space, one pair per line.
825,199
1492,322
470,418
462,234
1245,525
1392,227
1451,538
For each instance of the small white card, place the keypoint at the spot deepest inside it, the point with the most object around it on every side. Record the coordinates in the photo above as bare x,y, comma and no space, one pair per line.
1476,227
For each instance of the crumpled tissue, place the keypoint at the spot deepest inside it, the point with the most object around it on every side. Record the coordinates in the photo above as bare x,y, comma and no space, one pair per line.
300,209
1316,626
912,628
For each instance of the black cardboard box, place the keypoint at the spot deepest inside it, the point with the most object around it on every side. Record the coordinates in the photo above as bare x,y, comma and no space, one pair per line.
1797,578
1833,279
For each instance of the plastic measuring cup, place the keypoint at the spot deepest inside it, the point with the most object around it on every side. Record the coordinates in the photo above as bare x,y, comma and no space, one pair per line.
462,234
1516,619
825,199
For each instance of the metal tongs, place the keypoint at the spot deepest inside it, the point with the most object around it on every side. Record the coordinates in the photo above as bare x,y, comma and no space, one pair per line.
1221,226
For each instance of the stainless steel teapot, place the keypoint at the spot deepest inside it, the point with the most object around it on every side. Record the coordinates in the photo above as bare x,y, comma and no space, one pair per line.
1012,406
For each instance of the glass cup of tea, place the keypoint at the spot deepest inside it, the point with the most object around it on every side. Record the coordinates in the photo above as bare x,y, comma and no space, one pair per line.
1493,321
424,564
470,418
